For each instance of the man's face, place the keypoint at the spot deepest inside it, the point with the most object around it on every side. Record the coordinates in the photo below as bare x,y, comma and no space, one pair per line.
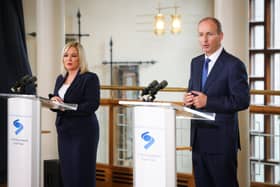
209,38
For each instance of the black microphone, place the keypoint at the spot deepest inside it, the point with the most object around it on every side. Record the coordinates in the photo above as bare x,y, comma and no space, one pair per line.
16,87
29,80
146,90
20,85
158,87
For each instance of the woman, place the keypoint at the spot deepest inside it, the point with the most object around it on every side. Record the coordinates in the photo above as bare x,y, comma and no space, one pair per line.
78,131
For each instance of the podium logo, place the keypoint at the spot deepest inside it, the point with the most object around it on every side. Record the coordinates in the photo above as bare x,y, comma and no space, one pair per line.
18,125
147,138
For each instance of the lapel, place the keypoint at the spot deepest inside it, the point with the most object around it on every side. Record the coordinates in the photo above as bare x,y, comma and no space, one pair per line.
60,82
73,85
216,71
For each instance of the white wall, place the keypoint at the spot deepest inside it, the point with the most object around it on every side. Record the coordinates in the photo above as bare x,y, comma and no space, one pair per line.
120,19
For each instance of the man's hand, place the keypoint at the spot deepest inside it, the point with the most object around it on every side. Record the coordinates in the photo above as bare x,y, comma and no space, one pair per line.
188,99
199,99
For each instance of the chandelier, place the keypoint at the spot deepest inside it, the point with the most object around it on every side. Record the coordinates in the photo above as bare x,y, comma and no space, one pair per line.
160,23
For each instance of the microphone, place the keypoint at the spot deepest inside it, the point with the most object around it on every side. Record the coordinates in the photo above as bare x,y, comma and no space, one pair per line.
146,90
158,87
29,80
20,85
154,87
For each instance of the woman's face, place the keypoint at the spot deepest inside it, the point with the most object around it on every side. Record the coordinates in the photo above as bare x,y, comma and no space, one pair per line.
71,59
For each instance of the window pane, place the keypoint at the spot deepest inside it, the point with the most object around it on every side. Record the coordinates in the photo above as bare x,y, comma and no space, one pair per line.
257,146
257,99
277,174
269,170
275,77
257,172
256,138
257,123
275,146
123,144
257,65
257,37
275,24
103,145
257,10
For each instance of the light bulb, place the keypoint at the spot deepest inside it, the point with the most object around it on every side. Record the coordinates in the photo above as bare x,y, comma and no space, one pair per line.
159,25
176,25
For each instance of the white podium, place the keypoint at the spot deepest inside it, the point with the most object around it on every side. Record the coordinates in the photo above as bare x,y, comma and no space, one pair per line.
24,138
154,141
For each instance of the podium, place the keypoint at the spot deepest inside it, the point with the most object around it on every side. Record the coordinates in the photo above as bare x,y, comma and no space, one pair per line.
24,138
154,140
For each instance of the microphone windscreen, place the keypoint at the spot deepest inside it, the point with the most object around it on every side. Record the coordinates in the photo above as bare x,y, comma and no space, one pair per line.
163,84
16,87
152,84
20,85
146,90
24,78
32,79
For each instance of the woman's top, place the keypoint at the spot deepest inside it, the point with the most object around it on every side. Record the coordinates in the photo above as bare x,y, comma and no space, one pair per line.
62,90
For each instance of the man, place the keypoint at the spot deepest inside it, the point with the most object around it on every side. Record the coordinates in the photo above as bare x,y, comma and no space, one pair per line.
218,83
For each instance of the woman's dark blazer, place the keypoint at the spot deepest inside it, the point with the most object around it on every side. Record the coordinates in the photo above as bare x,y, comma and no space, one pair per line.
84,91
78,131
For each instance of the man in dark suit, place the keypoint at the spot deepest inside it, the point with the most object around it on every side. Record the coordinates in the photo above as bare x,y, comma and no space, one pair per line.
218,83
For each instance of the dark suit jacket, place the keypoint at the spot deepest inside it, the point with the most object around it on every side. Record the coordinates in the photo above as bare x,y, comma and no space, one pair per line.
84,91
227,93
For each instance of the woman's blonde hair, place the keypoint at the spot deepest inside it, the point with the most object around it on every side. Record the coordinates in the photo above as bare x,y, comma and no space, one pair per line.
81,54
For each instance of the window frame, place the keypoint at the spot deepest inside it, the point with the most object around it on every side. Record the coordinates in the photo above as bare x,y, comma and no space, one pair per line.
269,173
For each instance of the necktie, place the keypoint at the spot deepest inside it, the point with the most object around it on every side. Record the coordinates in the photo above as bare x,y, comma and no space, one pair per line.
205,71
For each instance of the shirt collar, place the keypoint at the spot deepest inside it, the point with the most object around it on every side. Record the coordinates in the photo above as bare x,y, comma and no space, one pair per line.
215,55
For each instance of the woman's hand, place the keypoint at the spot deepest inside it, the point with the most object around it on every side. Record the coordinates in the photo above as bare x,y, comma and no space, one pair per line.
57,99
